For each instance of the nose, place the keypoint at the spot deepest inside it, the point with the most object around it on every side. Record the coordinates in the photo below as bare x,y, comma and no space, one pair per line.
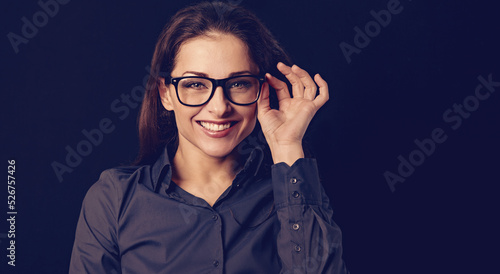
219,105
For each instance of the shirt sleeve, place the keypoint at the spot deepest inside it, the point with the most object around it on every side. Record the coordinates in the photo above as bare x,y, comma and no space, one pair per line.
95,249
309,241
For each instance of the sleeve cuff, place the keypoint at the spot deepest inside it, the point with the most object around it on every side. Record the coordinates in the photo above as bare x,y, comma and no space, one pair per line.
296,184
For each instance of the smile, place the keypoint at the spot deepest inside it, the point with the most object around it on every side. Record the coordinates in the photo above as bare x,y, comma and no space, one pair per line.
216,127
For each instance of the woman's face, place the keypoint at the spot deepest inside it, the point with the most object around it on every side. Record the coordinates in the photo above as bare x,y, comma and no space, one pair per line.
203,129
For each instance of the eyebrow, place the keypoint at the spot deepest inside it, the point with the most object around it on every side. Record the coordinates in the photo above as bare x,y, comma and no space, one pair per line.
202,74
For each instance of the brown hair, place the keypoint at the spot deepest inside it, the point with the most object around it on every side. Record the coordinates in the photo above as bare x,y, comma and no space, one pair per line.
156,125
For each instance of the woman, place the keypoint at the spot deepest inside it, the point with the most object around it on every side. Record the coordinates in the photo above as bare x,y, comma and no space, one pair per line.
208,194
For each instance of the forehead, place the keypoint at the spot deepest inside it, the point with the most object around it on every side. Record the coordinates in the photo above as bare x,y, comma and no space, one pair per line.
215,54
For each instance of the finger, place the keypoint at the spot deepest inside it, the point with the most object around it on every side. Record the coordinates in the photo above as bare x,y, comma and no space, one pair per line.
297,86
280,87
324,95
307,81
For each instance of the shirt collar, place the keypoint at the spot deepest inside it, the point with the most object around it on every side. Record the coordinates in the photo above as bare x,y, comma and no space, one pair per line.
161,171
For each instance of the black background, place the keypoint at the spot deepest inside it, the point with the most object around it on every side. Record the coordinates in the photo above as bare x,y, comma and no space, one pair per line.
442,219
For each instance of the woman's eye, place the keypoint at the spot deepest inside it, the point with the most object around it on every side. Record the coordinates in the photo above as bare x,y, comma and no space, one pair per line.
194,85
240,84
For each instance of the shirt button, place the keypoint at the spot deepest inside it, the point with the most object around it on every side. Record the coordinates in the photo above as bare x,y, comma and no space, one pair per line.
295,226
215,263
295,194
293,181
215,217
297,248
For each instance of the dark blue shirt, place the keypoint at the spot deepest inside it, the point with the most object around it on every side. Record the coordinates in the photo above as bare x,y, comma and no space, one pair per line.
136,220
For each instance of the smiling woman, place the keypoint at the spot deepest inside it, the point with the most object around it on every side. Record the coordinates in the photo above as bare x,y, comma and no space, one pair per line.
192,202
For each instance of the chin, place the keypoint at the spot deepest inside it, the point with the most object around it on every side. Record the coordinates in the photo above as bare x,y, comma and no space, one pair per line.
217,151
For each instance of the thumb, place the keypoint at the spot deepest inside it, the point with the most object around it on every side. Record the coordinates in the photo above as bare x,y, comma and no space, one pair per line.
263,102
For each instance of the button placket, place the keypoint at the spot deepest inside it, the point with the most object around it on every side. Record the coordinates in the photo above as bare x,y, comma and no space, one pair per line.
217,259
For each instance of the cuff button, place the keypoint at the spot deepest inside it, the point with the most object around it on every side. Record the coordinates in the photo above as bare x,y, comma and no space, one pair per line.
297,248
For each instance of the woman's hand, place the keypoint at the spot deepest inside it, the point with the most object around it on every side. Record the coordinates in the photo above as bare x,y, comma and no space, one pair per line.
285,127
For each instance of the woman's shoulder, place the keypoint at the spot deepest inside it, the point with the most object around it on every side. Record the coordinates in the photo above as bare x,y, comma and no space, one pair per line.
124,179
121,174
117,180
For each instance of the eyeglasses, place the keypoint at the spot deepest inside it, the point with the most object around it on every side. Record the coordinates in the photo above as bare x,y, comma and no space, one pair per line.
196,91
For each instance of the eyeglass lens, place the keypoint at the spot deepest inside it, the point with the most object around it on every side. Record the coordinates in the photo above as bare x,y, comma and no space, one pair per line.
241,90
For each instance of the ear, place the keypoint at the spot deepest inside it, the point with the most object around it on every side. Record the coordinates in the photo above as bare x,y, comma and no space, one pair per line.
165,94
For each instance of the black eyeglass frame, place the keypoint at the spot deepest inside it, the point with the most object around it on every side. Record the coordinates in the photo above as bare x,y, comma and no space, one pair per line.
216,83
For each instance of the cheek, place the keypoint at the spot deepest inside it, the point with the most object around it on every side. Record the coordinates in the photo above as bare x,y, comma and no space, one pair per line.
250,116
183,115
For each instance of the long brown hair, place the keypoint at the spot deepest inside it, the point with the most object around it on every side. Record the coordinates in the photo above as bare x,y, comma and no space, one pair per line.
156,125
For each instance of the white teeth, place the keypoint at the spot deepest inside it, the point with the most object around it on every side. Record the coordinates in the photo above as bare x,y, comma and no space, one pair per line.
215,127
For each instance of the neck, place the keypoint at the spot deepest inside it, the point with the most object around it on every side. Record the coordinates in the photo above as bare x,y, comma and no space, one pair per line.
204,176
